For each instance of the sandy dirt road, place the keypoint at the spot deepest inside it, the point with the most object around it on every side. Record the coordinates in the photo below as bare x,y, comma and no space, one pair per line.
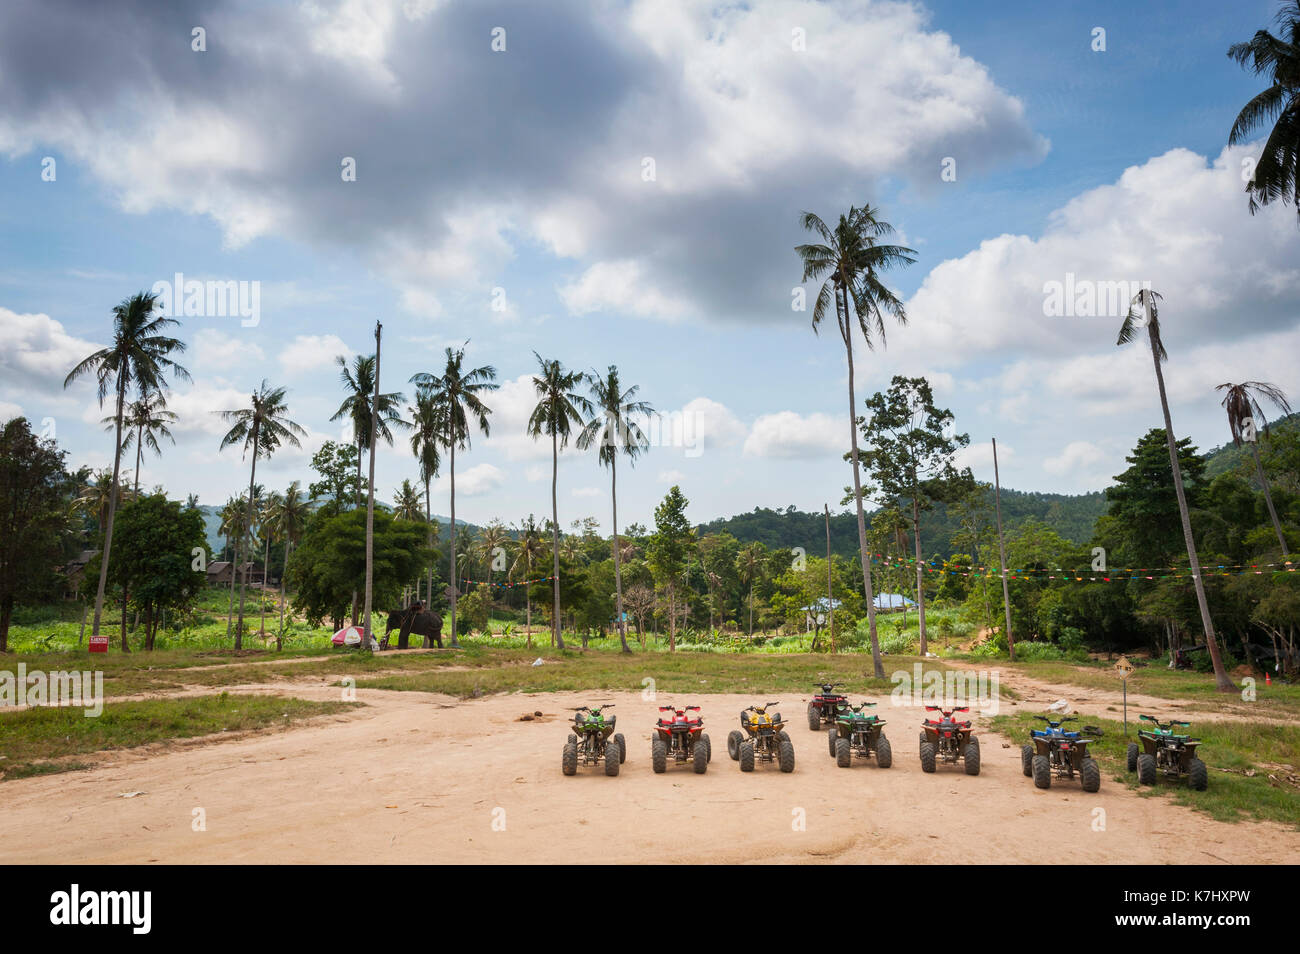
417,778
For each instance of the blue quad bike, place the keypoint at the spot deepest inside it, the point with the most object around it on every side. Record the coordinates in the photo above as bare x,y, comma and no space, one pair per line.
1058,752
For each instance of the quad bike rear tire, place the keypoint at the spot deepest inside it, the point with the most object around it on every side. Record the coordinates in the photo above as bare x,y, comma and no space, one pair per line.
785,755
569,763
747,756
700,756
573,739
922,739
622,748
1146,769
1027,760
831,736
1132,756
659,756
734,738
708,747
1090,775
1042,768
972,758
1198,775
843,753
814,718
927,756
884,753
613,756
784,736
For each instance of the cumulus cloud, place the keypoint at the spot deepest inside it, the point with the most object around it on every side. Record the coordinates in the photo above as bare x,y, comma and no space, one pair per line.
474,481
36,353
788,435
214,350
312,353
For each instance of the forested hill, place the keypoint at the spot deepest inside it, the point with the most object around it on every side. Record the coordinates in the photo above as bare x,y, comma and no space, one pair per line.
1070,516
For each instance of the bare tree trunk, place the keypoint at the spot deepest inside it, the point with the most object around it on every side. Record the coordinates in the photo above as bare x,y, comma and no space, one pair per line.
1268,499
920,582
830,585
1002,550
112,513
283,573
248,528
454,642
618,566
557,635
370,495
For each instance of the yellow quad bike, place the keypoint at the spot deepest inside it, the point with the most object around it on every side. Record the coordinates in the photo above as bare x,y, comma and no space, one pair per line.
764,738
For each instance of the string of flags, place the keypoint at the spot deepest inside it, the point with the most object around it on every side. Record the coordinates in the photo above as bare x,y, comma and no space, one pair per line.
508,585
1112,575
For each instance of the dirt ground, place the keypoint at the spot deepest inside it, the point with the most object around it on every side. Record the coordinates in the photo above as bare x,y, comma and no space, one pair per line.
417,778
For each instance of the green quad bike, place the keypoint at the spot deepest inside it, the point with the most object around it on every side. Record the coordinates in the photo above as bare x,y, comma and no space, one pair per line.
593,740
858,732
767,739
1167,753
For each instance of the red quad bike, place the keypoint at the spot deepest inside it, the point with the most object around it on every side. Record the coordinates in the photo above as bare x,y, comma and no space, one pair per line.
682,737
947,740
826,706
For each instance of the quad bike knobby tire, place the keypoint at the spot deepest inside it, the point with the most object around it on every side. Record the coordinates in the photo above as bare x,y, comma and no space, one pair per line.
659,756
884,753
569,763
1042,768
1090,775
1146,769
1132,756
814,719
831,736
613,755
747,756
708,748
785,755
1198,776
784,736
922,742
622,748
1027,760
734,738
700,756
843,753
927,756
972,758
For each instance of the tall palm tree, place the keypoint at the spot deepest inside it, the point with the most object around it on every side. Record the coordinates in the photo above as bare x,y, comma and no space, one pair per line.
531,551
848,261
615,430
146,418
266,512
560,408
260,428
749,566
288,518
406,503
1277,173
359,384
234,516
138,359
1145,310
1246,419
426,445
455,397
94,498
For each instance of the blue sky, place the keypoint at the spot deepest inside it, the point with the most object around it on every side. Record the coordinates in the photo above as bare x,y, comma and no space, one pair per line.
521,170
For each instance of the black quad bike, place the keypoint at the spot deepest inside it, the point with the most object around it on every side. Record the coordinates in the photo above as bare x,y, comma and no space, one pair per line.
948,740
764,738
858,732
593,740
1165,753
680,736
1056,751
826,706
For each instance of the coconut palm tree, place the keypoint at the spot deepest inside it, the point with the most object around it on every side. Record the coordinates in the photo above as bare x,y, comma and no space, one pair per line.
749,567
266,511
454,395
1245,420
260,428
560,408
1277,173
94,498
288,519
531,551
406,503
359,384
848,261
613,429
426,445
146,418
233,518
138,359
1145,310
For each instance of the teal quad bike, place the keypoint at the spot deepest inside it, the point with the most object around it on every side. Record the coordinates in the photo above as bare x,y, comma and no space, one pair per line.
1056,752
859,733
593,740
1163,752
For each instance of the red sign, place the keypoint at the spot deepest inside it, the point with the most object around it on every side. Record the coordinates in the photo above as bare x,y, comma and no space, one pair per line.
99,644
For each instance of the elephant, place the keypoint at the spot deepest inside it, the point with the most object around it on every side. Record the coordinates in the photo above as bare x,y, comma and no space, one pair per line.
415,619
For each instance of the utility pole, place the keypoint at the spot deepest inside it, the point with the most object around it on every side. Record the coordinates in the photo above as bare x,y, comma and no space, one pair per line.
370,496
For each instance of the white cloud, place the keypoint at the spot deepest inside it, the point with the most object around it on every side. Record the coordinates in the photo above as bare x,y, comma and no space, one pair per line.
793,436
312,353
214,350
671,476
621,286
474,482
36,353
1076,455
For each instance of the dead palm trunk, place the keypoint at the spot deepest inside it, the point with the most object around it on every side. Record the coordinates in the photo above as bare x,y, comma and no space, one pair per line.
920,582
282,576
1002,551
618,570
370,497
248,526
452,445
266,564
1268,499
556,635
112,512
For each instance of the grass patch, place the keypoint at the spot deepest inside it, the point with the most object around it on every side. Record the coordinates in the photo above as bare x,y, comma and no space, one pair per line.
45,740
1236,747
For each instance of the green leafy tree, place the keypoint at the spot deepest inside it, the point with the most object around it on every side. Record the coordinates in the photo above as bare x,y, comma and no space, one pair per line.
338,466
669,548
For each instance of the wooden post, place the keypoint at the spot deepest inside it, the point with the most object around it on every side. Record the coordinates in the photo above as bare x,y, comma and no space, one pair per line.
1002,551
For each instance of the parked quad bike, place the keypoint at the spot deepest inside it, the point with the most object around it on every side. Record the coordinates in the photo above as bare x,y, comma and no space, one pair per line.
826,706
764,739
1164,752
593,740
681,737
947,740
1057,752
858,732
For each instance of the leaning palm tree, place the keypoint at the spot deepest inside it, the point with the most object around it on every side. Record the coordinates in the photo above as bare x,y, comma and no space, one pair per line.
454,395
614,427
138,359
426,445
1245,420
848,261
359,383
1277,173
260,428
147,418
1145,311
531,551
288,519
560,408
